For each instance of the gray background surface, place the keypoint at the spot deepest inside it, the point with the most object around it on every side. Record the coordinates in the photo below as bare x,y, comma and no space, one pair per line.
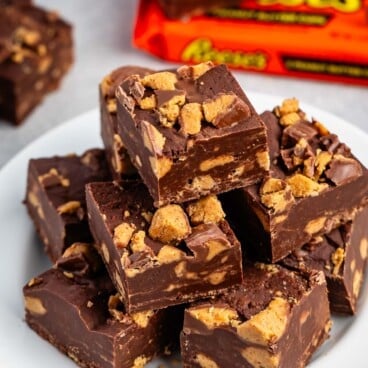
103,32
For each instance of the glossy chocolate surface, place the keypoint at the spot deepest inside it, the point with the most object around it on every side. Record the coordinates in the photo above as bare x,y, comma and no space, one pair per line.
158,258
271,320
316,185
82,316
163,120
36,50
117,156
342,256
55,197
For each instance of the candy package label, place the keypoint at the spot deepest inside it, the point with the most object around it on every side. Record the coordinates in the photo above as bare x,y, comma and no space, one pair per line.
323,39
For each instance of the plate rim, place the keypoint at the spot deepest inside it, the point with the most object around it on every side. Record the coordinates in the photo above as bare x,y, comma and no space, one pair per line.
323,360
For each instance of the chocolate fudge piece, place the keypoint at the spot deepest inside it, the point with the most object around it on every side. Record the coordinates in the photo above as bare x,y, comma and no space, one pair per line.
342,255
315,185
163,257
179,9
191,132
76,308
36,50
117,156
271,320
55,197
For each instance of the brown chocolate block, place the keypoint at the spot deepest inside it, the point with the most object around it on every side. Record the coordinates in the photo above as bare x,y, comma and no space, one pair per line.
55,197
342,256
191,132
117,156
76,308
315,185
271,321
179,9
166,256
36,50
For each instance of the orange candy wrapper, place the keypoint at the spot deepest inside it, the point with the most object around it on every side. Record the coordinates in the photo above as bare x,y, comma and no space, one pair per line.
322,39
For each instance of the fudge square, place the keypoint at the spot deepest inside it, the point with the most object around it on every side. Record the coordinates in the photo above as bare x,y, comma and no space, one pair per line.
75,307
36,50
191,132
277,318
315,185
166,256
342,255
117,156
55,197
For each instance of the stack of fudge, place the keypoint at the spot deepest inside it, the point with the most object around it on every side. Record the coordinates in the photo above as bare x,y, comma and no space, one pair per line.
201,222
36,51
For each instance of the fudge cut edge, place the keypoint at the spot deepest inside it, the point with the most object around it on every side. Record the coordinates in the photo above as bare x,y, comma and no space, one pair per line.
55,198
76,308
144,250
117,156
342,255
306,195
256,336
38,53
191,132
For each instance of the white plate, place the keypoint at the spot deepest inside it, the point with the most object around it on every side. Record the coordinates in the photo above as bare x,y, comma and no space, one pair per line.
22,256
